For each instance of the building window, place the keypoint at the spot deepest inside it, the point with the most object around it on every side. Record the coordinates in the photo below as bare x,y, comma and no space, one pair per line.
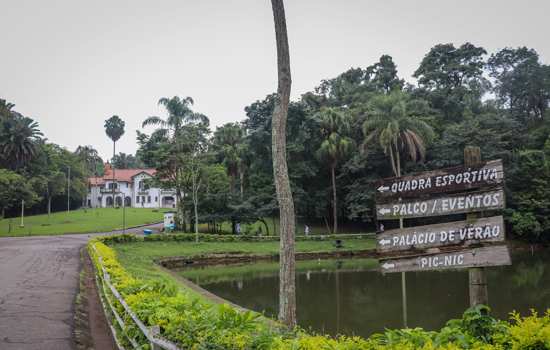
113,185
156,199
137,199
148,199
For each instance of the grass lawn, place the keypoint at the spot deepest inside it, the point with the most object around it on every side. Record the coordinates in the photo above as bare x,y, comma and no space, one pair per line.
138,257
79,221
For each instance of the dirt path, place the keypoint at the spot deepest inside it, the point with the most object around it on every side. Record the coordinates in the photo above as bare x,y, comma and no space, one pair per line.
39,279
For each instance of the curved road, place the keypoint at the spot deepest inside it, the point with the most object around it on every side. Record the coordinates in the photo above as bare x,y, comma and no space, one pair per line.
39,279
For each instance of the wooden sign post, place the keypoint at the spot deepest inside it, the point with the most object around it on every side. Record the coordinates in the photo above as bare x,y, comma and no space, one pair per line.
471,189
465,233
472,258
476,275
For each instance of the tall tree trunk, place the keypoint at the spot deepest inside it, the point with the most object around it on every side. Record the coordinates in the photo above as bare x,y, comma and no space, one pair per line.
334,199
397,159
113,169
392,161
196,209
232,183
181,210
49,206
287,285
241,180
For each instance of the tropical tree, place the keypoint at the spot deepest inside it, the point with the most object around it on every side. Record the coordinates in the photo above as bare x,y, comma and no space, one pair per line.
336,146
391,121
229,142
173,142
451,78
48,186
89,155
14,189
287,277
179,113
383,75
126,161
114,128
522,83
18,137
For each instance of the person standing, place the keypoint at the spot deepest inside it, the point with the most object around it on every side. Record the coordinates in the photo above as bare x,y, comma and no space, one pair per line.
306,230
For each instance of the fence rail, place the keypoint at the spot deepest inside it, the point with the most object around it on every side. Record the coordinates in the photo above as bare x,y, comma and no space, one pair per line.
152,334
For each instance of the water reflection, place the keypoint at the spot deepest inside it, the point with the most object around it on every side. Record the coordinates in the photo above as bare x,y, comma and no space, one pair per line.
352,297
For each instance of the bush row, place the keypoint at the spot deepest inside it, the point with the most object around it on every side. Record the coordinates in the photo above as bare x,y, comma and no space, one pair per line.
204,237
194,324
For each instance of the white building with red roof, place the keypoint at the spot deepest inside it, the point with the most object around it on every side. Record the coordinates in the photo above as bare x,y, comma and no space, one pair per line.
131,189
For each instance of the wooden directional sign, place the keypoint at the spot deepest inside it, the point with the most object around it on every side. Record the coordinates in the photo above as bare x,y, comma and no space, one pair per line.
476,257
486,230
452,204
447,180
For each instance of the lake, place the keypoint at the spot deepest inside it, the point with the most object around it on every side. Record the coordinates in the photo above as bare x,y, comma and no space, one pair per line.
353,297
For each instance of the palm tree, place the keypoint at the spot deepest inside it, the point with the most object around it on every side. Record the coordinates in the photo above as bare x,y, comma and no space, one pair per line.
114,128
336,146
396,126
393,121
179,113
229,140
18,136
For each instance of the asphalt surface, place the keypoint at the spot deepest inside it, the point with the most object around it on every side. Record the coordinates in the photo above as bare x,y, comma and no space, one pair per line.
38,284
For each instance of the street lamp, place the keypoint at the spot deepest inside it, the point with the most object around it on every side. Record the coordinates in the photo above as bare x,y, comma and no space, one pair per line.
68,188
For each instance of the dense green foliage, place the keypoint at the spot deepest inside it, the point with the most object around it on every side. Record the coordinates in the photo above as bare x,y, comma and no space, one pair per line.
346,134
367,123
35,171
192,322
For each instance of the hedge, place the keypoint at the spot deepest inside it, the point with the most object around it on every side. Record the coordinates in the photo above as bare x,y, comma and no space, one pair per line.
204,237
193,323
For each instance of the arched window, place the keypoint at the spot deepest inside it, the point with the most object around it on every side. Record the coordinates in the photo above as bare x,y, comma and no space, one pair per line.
127,202
109,201
119,201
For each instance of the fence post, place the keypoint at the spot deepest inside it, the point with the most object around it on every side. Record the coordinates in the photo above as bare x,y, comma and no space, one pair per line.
154,331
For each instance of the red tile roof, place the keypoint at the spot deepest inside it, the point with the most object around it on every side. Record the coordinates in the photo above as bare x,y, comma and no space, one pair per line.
124,175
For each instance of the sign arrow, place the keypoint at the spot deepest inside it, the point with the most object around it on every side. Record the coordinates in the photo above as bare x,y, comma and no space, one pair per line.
384,211
383,188
386,266
385,241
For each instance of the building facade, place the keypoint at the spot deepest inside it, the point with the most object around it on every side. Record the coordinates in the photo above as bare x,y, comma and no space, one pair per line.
131,190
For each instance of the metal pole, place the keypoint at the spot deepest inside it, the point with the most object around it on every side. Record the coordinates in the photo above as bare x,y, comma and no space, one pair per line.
22,213
123,216
69,189
404,290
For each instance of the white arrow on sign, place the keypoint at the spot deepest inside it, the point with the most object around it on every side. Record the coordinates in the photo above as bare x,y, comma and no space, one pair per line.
384,211
383,188
388,266
385,241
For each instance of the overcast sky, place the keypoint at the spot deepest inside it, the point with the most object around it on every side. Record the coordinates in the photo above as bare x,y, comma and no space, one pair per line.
72,64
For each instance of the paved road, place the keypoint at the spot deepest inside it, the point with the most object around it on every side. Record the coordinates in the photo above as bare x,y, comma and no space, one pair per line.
38,285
